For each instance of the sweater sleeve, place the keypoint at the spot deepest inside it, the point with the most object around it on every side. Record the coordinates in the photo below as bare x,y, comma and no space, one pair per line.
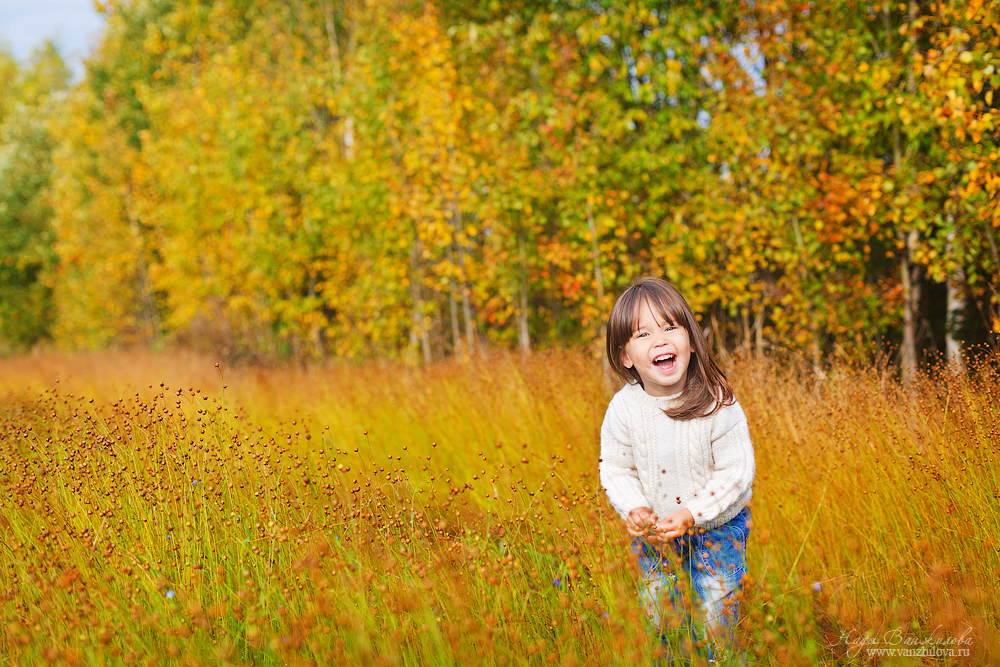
733,467
618,474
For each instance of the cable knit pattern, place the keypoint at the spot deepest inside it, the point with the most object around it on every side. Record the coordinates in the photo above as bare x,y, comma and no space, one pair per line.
650,460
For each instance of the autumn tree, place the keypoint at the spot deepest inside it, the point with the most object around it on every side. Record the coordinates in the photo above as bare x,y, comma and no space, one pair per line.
410,180
959,75
29,97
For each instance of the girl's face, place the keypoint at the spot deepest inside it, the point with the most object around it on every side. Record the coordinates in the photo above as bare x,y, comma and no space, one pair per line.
659,351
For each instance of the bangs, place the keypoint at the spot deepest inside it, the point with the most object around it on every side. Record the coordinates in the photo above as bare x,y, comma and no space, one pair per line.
663,302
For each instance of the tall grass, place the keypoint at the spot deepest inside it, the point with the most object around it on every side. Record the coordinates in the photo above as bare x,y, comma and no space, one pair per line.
158,510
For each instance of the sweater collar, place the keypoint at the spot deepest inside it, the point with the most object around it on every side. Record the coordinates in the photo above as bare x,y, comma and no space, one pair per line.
637,393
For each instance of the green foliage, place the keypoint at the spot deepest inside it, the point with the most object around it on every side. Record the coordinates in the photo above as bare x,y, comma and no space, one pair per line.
417,180
26,237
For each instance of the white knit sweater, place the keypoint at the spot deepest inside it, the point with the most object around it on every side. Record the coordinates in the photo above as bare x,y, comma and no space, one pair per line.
650,460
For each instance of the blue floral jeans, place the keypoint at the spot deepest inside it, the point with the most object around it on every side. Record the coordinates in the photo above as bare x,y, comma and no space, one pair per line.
713,563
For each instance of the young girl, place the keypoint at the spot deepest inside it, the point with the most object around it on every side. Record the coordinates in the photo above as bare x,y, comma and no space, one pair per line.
677,462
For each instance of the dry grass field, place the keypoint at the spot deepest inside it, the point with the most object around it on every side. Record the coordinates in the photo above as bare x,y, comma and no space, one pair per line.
156,509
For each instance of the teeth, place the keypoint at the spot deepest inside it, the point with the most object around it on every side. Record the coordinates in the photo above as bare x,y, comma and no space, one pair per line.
663,357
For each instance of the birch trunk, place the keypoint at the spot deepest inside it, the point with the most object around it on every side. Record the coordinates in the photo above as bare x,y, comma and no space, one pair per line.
908,275
911,296
456,338
602,331
956,309
419,321
524,340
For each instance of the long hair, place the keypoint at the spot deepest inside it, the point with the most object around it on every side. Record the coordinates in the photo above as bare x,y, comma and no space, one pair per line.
706,388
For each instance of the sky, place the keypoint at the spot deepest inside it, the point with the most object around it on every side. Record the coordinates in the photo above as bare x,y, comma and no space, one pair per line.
74,26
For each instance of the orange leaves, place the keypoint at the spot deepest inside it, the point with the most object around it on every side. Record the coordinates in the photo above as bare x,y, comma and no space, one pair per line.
461,176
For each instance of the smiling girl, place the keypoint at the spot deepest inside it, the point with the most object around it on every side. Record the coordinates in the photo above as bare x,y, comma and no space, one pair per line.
677,464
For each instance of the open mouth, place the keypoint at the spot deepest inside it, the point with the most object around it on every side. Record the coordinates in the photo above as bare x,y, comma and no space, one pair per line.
665,362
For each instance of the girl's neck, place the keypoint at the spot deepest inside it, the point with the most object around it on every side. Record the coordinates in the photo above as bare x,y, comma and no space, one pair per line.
670,397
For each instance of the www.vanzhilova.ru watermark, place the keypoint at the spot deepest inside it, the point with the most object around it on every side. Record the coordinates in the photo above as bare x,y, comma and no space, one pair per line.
897,642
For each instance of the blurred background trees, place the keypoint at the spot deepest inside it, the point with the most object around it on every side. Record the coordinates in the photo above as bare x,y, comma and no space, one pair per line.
384,178
30,96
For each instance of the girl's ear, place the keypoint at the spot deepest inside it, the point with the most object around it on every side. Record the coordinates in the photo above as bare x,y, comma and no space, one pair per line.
626,362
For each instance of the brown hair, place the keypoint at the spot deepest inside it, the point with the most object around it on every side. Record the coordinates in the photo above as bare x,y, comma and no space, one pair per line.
706,389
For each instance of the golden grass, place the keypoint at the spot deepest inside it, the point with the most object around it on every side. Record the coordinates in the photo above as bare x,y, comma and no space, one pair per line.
381,514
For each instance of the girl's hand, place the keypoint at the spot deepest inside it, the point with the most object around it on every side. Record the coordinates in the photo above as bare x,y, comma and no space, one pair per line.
640,521
675,525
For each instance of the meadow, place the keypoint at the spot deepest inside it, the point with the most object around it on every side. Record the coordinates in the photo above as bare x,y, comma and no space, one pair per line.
158,509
